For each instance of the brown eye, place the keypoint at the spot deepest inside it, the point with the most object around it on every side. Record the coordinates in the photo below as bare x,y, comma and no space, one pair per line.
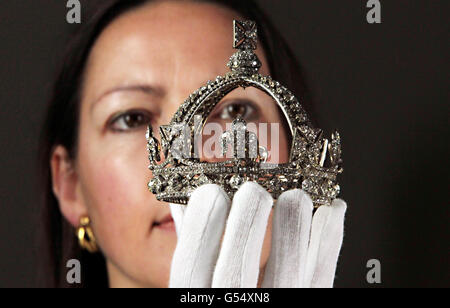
233,110
130,120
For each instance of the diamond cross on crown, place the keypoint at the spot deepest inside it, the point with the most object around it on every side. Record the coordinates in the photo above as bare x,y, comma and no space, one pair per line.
245,34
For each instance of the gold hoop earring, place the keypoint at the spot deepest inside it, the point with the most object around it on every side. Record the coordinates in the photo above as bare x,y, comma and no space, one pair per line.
85,235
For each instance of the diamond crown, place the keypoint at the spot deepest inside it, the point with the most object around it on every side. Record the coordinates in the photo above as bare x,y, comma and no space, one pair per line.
314,161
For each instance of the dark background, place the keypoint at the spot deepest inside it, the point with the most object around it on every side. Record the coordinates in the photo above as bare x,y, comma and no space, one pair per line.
384,86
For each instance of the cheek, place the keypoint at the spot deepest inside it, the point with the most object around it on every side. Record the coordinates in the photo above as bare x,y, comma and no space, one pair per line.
114,175
278,142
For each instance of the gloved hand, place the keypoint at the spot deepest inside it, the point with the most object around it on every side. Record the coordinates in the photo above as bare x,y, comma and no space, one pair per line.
301,255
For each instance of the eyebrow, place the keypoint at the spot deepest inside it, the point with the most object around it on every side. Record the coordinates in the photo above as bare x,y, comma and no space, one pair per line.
147,89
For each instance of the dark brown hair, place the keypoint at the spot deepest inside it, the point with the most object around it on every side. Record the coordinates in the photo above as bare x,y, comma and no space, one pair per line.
57,242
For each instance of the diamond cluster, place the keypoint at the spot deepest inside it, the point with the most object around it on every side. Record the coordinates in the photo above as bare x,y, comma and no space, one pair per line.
314,161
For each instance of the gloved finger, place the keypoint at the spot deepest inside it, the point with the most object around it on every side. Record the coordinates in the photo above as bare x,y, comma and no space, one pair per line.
290,239
199,240
239,258
177,211
325,244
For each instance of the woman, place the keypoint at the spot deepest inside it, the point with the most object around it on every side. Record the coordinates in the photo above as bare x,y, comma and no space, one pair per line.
130,66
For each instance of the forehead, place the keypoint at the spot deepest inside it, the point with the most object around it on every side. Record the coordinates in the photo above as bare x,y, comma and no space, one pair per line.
160,43
199,27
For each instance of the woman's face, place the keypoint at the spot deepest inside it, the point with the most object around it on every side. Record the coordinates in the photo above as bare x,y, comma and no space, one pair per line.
141,68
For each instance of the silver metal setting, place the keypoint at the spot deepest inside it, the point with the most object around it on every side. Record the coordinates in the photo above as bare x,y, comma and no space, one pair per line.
314,161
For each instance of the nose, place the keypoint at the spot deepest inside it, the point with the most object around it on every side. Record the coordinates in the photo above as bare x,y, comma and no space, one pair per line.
168,110
169,107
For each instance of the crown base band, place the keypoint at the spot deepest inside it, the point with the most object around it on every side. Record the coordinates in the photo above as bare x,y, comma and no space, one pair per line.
175,184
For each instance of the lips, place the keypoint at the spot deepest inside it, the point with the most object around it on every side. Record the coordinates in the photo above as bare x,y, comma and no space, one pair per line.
166,223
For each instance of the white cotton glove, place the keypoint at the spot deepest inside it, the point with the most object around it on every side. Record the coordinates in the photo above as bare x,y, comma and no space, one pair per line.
196,262
202,261
305,249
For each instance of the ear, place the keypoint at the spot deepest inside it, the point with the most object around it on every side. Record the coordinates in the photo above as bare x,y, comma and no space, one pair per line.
66,186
